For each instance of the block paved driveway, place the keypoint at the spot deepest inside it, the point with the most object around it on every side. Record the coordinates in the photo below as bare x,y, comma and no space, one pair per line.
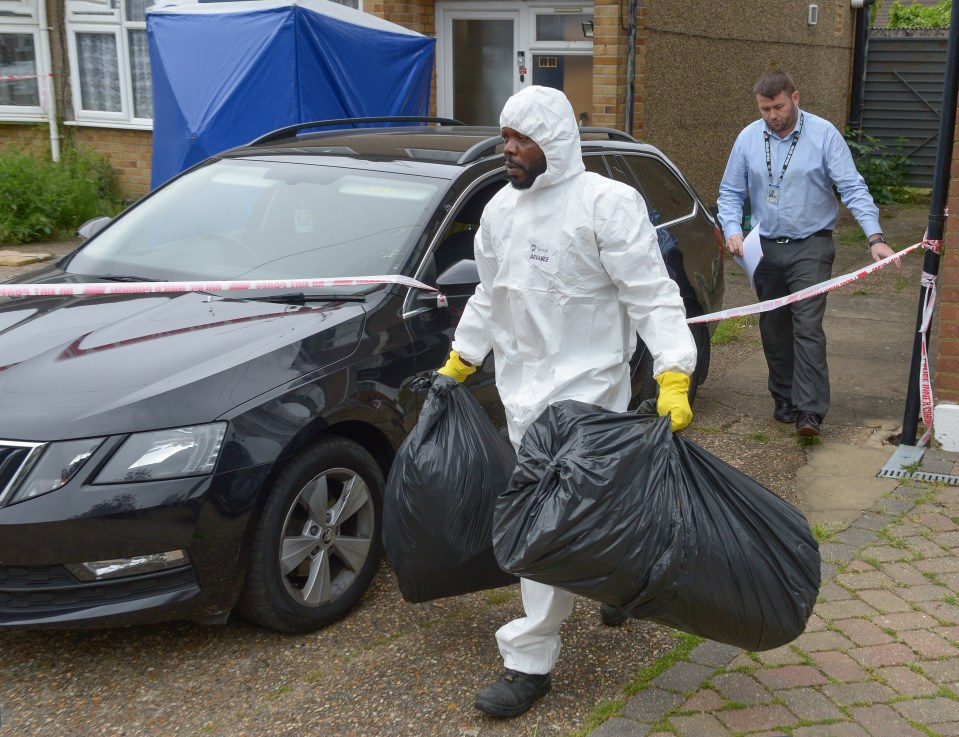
880,657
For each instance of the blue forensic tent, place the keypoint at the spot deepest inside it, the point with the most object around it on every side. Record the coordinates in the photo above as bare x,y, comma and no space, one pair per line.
225,73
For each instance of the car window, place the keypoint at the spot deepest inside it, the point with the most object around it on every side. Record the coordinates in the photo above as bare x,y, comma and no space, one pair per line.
596,164
664,193
266,220
457,243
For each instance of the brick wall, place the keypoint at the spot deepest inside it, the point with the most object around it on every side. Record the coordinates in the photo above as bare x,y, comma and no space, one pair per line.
33,138
946,380
130,152
610,42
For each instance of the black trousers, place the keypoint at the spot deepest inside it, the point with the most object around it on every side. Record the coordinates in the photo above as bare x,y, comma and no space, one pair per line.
794,341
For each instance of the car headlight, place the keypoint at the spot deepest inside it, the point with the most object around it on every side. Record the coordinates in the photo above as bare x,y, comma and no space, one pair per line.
165,454
55,466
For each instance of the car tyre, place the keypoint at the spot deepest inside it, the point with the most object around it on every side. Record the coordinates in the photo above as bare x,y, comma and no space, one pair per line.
317,543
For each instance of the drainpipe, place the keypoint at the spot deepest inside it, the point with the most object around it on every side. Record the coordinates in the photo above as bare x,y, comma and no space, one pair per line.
631,68
46,80
859,62
937,219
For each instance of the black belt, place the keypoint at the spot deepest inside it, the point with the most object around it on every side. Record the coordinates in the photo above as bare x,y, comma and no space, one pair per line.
817,234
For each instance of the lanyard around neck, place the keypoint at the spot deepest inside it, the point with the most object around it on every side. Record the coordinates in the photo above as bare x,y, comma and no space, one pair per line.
789,153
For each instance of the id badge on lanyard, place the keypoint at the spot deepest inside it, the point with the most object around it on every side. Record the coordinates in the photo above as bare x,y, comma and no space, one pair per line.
772,190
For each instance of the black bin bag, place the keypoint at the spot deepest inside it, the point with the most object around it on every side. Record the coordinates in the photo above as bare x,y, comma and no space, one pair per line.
440,493
615,507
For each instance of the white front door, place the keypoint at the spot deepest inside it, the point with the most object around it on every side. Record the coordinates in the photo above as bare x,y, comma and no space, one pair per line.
487,51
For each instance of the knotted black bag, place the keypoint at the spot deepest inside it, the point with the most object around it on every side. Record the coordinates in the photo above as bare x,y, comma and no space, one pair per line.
440,493
615,507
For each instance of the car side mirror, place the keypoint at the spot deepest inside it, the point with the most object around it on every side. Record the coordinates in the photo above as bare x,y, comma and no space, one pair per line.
456,284
460,279
93,226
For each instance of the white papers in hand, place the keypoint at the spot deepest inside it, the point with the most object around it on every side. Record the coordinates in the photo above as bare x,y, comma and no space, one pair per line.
752,253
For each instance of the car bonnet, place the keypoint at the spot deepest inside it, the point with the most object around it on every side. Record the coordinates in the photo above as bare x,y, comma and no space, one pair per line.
75,367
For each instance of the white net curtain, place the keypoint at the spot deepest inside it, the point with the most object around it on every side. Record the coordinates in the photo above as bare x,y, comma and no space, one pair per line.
100,55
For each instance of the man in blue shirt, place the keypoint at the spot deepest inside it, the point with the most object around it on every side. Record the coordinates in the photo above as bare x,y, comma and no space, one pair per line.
787,163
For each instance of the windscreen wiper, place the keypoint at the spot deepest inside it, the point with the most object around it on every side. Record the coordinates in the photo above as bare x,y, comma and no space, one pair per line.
299,297
123,277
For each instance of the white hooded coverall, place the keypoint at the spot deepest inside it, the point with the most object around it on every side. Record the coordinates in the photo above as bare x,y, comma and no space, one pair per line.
570,270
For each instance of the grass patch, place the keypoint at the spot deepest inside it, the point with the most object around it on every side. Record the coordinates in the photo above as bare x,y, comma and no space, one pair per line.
729,330
499,596
759,436
44,199
807,442
823,531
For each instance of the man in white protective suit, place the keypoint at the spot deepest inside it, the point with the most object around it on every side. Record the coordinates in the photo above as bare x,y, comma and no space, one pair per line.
570,270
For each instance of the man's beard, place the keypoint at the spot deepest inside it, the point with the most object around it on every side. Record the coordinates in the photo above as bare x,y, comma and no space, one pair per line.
529,174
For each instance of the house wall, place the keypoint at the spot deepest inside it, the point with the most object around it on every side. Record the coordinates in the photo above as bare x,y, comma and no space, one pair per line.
702,60
25,137
130,152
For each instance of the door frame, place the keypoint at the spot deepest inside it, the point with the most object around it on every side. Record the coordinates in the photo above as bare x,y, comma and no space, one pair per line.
524,38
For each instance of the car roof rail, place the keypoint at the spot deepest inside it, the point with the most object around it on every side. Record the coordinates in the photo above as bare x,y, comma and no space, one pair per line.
477,150
612,134
489,145
290,130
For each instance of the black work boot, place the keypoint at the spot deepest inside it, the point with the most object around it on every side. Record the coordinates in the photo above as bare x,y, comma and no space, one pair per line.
513,693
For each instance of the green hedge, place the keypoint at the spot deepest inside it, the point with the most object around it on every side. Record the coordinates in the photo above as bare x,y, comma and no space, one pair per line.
920,16
41,199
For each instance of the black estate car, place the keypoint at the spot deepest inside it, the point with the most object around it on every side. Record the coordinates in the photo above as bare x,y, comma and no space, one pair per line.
182,455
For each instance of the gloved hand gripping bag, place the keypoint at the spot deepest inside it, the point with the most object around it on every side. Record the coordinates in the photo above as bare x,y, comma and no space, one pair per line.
617,508
440,493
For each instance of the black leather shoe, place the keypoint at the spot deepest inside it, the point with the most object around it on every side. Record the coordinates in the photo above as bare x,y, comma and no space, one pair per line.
808,424
784,412
612,616
513,694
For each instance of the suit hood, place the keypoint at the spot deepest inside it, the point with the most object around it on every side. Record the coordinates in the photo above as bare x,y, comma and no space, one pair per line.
545,115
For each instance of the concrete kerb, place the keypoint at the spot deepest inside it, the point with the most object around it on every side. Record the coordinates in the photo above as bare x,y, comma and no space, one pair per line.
690,699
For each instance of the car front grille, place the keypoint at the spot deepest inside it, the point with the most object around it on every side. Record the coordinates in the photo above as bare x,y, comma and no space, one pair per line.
37,591
15,460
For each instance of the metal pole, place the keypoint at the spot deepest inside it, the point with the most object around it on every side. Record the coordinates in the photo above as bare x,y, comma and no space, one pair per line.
859,65
937,219
631,68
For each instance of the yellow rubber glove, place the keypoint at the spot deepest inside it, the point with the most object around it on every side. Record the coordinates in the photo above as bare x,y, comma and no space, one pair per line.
456,368
674,399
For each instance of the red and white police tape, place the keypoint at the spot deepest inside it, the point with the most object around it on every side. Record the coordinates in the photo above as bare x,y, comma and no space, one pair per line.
928,281
99,288
166,287
816,289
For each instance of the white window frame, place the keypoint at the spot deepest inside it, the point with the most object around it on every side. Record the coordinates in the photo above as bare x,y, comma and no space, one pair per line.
98,16
21,17
19,11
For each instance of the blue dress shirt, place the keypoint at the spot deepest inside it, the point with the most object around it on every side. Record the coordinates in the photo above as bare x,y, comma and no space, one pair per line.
806,202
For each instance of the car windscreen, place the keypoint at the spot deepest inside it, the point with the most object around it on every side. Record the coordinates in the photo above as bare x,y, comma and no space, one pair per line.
243,219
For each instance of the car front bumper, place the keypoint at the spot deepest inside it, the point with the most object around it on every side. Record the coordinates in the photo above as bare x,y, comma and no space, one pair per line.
206,517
